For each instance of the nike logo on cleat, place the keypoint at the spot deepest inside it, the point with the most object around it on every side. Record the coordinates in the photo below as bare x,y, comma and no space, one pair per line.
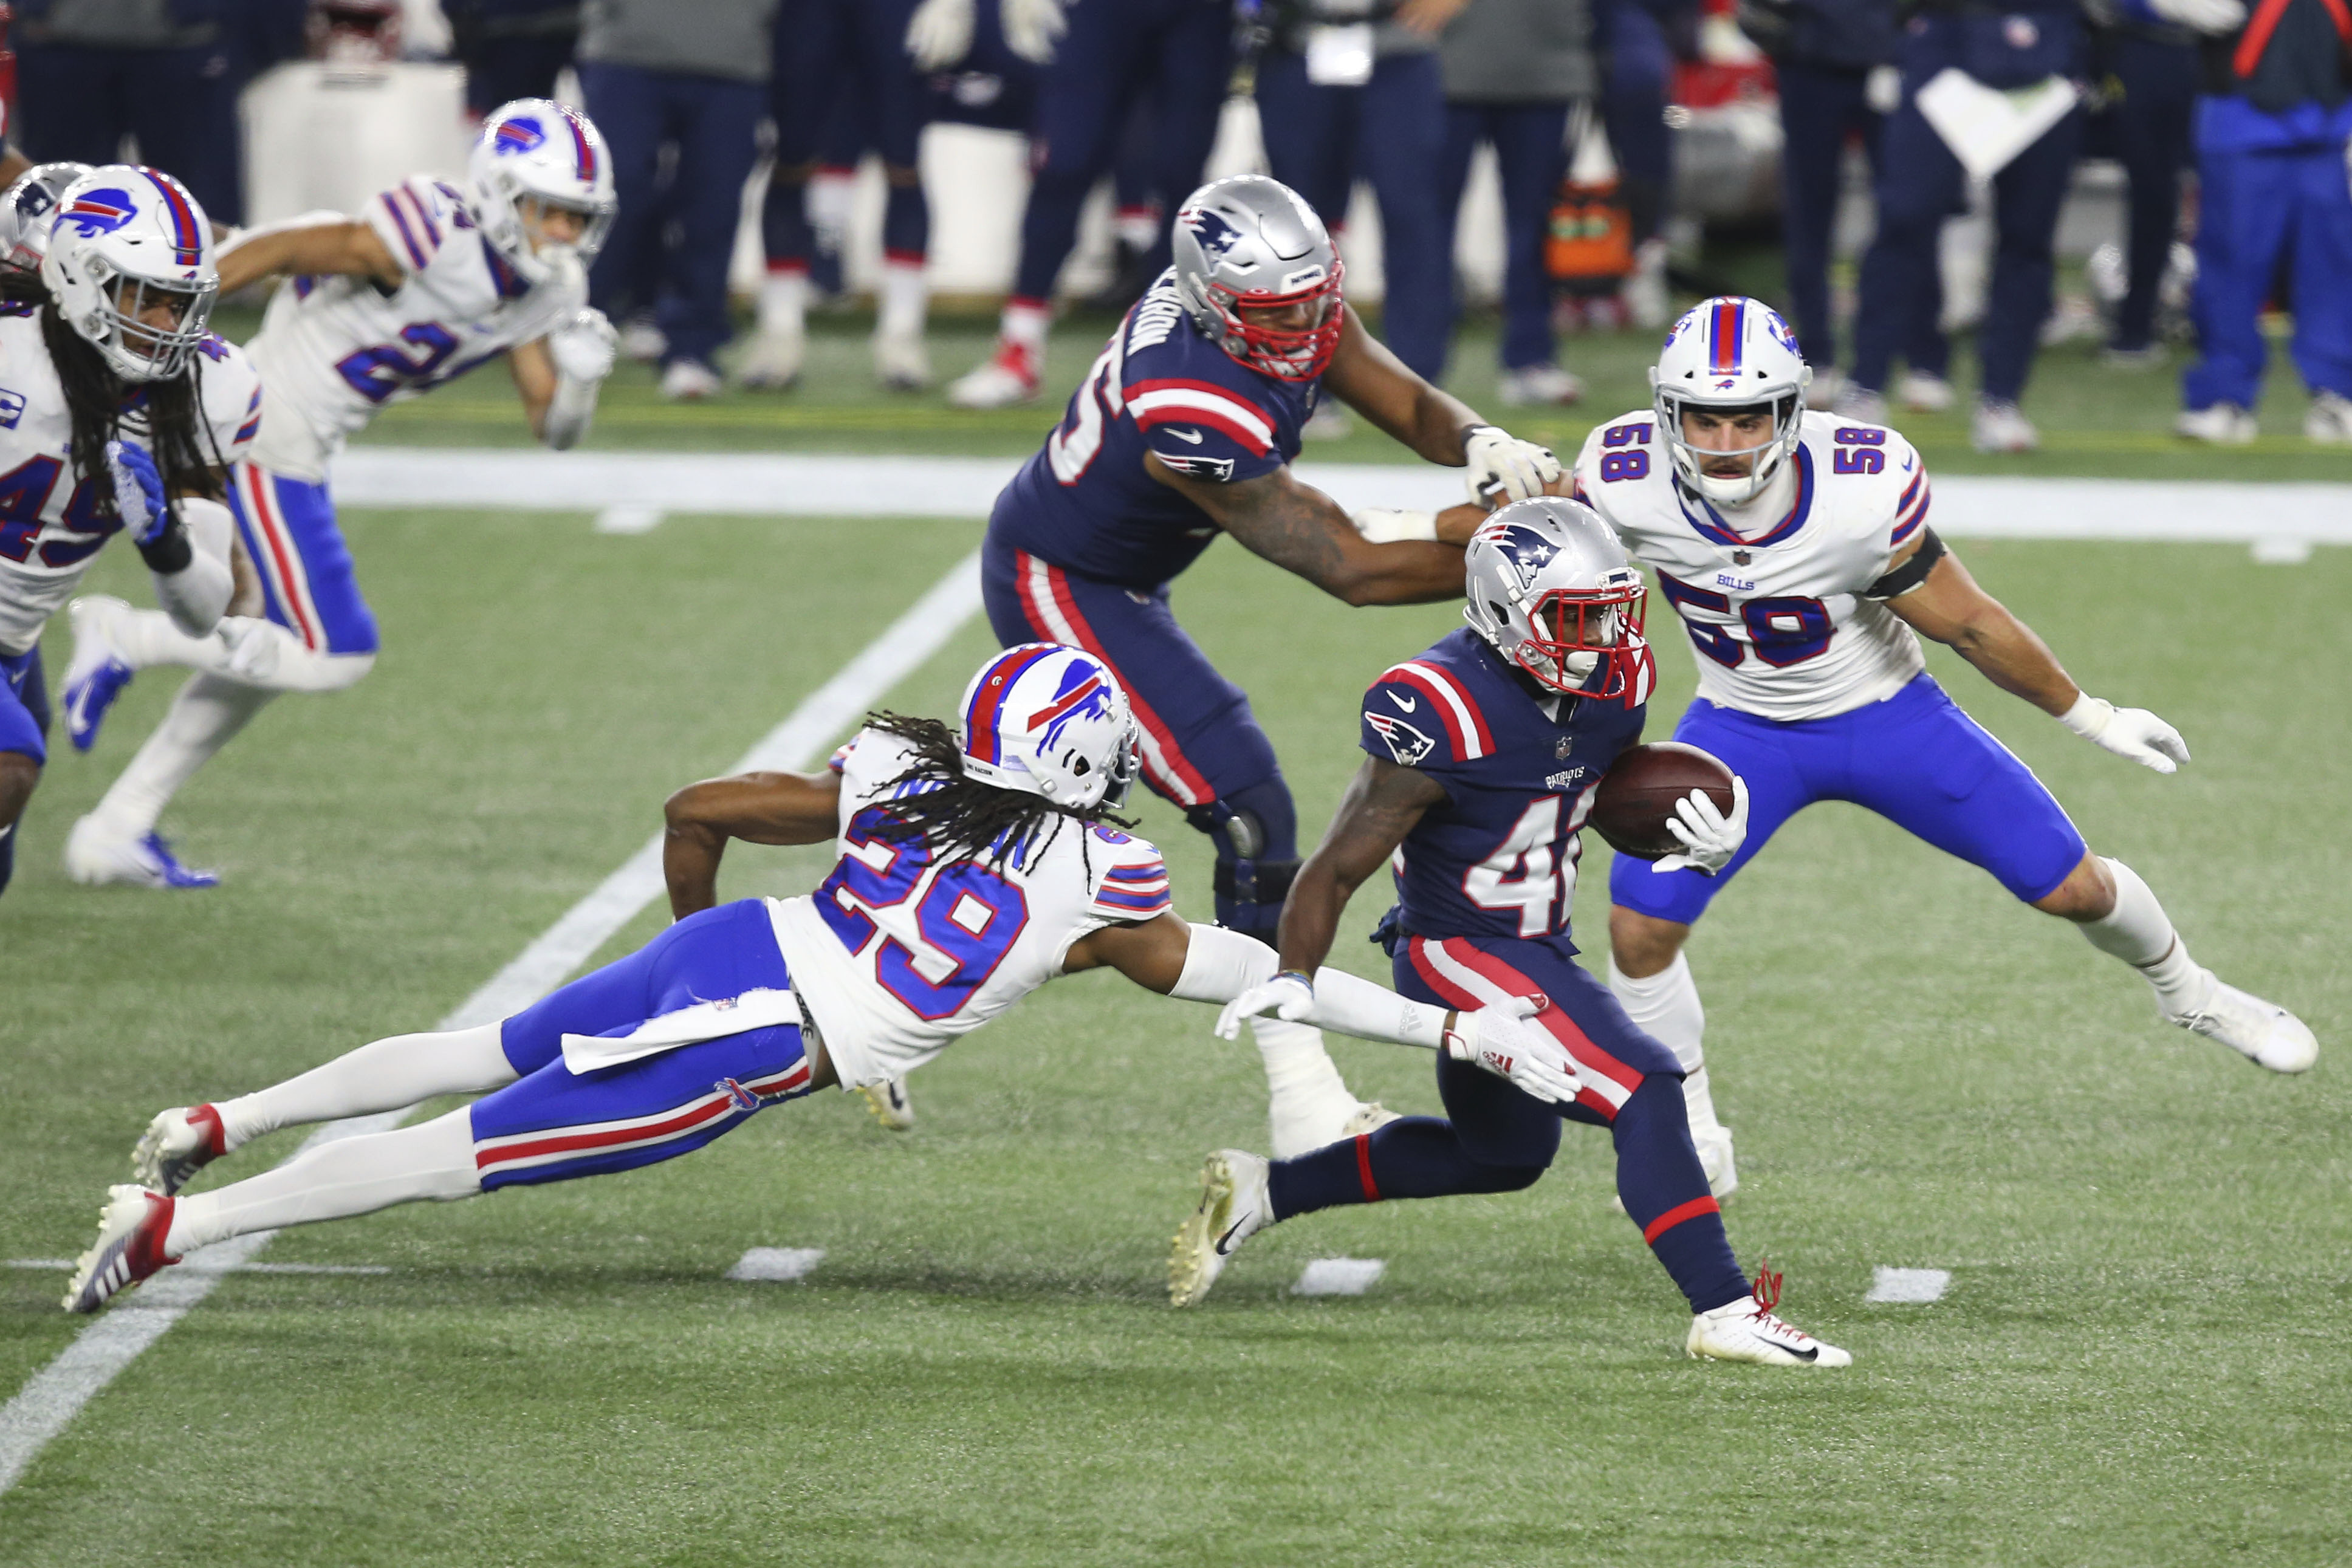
1194,436
1222,1249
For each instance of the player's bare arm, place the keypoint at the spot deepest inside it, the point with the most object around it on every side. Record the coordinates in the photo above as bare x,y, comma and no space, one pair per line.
1949,608
313,245
1303,530
1382,804
533,369
1368,378
1151,952
758,807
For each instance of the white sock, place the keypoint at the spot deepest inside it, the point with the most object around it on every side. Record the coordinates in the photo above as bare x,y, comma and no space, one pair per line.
783,302
145,638
832,195
1297,1066
1666,1007
1025,323
335,1181
205,716
2138,932
905,299
382,1075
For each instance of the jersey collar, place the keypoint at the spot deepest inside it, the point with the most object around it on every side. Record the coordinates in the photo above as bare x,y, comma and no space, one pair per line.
1712,528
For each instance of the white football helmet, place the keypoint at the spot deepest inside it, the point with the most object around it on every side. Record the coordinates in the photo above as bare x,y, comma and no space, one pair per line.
1549,585
537,150
1052,721
125,240
28,208
1730,354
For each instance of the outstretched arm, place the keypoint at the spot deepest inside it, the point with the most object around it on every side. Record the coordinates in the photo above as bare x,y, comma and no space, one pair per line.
1382,803
758,807
315,243
1435,423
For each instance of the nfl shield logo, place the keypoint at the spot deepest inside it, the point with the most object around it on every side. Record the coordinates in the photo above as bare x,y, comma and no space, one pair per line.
1562,747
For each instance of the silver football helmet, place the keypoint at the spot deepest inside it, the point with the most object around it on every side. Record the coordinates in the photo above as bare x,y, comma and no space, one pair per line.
1552,590
1250,243
28,208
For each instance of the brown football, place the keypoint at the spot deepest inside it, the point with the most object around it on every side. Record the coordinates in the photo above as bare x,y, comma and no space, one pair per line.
1638,793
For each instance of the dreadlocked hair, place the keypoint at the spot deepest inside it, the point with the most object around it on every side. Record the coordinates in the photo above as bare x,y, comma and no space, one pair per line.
175,432
963,817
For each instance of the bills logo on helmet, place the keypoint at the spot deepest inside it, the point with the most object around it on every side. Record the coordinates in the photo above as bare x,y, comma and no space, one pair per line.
1215,234
1406,744
1082,695
518,135
99,212
1782,334
1727,383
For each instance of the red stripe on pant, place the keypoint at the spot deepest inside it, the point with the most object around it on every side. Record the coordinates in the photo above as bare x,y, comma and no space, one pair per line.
259,494
1364,1167
1554,1018
1677,1214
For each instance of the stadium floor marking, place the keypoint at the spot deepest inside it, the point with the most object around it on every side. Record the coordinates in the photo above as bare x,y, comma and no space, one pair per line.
628,521
2276,519
1339,1277
1918,1286
779,1265
53,1397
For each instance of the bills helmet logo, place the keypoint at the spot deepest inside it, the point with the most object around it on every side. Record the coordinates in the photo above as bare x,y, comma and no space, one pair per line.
1215,235
1780,333
518,135
1727,383
1406,744
99,212
1083,695
745,1100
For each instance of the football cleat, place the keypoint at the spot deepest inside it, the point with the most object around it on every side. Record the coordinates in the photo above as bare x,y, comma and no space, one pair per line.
94,859
1746,1329
1538,384
1015,374
901,362
177,1144
773,360
2260,1031
888,1100
1234,1207
2328,421
2001,427
1856,401
642,341
2222,424
689,381
96,674
1924,391
128,1248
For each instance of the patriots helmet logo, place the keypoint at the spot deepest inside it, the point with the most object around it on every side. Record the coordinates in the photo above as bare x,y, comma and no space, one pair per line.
518,135
1524,548
33,199
99,212
1082,695
1215,234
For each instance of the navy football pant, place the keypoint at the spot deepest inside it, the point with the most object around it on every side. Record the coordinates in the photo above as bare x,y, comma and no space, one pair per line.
1636,63
78,101
1203,748
1530,155
836,61
1915,758
1495,1138
1392,131
23,729
553,1125
1178,51
2148,130
2253,206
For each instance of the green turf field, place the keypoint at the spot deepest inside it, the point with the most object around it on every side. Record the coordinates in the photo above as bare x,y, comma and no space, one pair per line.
2138,1360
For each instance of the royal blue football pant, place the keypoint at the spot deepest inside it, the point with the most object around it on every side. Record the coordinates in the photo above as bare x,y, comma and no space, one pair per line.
309,584
553,1125
1495,1138
1530,155
2255,205
1203,748
1915,758
23,729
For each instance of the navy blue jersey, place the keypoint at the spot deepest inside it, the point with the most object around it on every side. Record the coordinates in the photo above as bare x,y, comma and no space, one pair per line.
1499,857
1085,503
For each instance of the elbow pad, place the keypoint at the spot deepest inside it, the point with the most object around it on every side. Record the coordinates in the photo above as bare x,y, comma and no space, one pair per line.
568,414
195,592
1219,964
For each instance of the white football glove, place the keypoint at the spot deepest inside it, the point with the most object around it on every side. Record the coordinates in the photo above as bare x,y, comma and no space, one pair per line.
1387,525
1288,995
1710,840
2132,732
252,646
2202,16
1500,1039
1504,467
1032,27
584,347
939,33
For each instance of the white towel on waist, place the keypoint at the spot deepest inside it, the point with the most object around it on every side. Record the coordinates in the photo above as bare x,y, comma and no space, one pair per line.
712,1019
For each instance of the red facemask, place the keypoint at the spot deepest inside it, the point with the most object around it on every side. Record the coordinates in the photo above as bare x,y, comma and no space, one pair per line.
1293,356
1566,623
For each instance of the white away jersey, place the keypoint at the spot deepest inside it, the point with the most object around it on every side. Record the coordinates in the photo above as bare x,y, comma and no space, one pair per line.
1773,597
334,349
50,523
895,953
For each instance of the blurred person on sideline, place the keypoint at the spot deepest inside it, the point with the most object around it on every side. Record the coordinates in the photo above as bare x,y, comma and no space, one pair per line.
2146,74
511,48
1632,43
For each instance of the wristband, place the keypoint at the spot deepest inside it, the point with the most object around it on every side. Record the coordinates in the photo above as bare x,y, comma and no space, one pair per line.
2089,717
170,554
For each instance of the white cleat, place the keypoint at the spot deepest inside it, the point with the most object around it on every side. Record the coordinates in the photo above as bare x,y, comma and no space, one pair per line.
1013,375
1924,391
2260,1031
2001,427
2328,421
888,1100
772,361
2222,424
177,1144
1856,401
1746,1329
96,855
901,362
1234,1206
1535,386
129,1248
690,381
643,341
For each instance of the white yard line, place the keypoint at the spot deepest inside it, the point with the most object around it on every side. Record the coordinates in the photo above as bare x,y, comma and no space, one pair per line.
778,1265
2277,519
1339,1277
51,1397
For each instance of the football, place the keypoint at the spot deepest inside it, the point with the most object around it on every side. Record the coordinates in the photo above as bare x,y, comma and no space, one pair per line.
1637,796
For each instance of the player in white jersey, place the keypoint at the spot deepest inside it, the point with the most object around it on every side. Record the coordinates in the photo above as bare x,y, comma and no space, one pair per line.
1795,547
427,282
976,863
120,412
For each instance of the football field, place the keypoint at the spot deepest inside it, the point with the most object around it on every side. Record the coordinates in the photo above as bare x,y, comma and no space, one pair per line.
2136,1358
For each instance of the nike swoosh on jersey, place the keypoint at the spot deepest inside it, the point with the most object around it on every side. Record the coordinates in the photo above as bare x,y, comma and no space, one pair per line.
1404,702
1194,436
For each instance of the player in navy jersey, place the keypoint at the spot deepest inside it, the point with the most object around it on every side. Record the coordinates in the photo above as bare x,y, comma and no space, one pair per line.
1482,756
1185,427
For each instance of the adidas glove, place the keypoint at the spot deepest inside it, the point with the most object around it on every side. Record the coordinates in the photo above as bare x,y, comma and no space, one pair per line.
1032,28
2132,732
1500,1039
1503,467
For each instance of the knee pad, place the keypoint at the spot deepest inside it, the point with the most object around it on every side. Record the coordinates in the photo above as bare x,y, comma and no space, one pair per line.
1256,835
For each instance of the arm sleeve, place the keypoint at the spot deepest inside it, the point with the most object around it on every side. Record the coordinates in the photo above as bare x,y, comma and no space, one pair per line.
197,595
1219,964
